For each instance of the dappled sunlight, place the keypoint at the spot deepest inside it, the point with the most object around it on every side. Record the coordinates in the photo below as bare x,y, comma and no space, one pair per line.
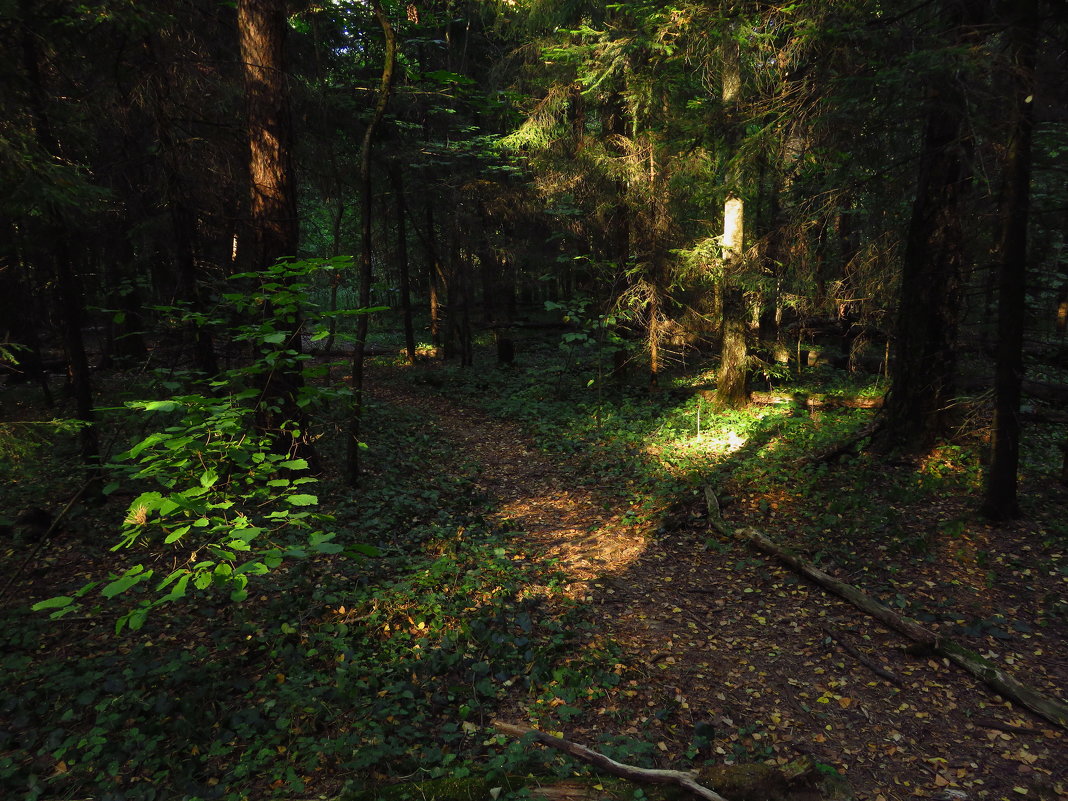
563,521
714,444
572,528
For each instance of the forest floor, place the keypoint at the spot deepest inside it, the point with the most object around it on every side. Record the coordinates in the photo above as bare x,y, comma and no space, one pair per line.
720,640
545,558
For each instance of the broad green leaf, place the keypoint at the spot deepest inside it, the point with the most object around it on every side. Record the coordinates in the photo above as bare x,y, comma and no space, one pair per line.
175,535
160,406
137,618
294,464
272,558
142,504
363,550
134,575
53,603
179,589
303,500
246,534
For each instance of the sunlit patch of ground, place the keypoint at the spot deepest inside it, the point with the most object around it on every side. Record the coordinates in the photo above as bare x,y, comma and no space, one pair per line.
572,526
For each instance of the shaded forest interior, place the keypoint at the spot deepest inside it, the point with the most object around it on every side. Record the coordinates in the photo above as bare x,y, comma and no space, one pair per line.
373,371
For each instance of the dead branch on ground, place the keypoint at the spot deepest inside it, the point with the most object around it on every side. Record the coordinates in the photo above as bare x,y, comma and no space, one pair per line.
683,780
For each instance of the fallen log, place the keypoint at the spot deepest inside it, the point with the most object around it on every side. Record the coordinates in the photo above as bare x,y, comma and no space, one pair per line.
1052,709
677,778
808,400
816,401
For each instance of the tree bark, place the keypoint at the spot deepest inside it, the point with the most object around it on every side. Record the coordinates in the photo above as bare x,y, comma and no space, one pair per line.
273,205
1000,501
261,29
732,380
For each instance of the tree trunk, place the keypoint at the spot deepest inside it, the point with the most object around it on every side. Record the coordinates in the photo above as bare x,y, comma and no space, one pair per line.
182,224
924,368
1000,500
261,28
68,285
273,208
69,292
732,381
366,254
402,260
436,284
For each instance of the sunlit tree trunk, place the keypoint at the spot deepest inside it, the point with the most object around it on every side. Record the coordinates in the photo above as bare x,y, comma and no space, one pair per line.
1000,500
732,384
273,205
261,28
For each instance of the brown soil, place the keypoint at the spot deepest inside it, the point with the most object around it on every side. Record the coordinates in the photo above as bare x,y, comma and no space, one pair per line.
717,636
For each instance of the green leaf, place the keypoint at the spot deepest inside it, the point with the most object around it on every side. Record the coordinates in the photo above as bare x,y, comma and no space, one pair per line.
177,534
363,550
145,502
272,558
294,464
209,478
160,406
134,575
275,338
179,589
302,500
53,603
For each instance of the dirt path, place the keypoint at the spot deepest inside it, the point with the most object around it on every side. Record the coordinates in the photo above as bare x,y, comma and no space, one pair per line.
718,639
574,525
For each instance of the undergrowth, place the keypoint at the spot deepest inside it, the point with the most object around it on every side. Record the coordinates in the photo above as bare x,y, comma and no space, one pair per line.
332,672
338,674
